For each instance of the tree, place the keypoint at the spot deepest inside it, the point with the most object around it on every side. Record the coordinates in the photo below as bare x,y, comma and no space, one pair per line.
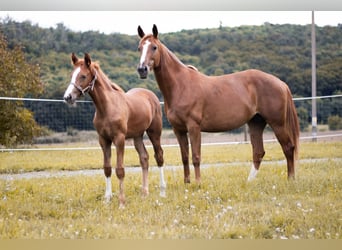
18,78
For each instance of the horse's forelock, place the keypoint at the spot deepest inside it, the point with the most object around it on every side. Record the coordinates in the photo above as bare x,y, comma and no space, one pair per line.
149,37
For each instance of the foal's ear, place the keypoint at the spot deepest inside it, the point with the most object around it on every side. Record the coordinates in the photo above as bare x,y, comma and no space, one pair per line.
141,33
74,58
87,59
155,31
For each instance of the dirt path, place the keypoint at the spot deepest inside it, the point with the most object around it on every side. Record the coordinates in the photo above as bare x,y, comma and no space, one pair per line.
65,173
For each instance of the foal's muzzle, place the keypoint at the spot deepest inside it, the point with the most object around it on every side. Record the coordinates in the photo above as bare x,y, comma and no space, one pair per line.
143,70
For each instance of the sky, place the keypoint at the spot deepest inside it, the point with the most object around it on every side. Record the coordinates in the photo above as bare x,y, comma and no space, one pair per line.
126,22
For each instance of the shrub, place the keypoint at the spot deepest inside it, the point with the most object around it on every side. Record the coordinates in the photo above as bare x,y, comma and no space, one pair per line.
335,122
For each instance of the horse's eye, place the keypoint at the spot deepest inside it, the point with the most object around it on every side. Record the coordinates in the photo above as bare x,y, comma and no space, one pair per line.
139,49
154,47
83,77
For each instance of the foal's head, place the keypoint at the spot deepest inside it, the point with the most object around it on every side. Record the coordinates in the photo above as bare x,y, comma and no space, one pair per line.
83,78
149,48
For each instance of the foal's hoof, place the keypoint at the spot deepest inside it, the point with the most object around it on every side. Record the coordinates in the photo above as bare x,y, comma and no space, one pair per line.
144,192
107,199
121,206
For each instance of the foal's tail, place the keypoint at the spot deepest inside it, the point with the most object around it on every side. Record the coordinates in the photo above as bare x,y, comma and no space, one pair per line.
292,124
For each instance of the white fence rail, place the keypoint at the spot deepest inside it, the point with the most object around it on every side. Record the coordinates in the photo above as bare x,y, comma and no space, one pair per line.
334,101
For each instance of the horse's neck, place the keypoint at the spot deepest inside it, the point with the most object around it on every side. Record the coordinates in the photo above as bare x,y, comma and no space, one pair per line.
105,92
167,74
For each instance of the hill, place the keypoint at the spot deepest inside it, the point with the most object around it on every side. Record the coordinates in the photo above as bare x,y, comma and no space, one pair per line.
282,50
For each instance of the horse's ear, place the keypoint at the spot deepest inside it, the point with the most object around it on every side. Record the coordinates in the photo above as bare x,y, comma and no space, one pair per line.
141,33
74,58
87,59
155,31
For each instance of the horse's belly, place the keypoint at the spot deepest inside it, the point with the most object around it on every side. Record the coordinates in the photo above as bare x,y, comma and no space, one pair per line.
225,119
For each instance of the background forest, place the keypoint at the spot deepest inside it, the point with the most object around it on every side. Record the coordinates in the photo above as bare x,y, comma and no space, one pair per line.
282,50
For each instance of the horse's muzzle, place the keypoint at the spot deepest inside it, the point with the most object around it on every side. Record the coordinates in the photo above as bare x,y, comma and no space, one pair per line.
143,70
68,99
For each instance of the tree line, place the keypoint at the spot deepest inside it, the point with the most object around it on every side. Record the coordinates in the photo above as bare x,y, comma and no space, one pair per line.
282,50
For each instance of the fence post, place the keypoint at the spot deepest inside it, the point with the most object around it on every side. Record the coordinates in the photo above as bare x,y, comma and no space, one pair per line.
313,79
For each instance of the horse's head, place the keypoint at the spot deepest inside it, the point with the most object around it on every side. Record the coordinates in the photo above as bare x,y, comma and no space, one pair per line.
149,47
83,78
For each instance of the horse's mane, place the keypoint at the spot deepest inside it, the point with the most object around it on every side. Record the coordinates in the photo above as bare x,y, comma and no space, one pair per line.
114,86
173,55
192,67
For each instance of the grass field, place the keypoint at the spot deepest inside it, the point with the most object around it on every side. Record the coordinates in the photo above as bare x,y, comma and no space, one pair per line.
223,206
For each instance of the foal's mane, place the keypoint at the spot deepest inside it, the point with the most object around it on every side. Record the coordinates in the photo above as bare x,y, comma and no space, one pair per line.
114,86
99,71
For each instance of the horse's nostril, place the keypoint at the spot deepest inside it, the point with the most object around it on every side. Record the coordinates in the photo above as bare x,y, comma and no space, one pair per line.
142,69
67,98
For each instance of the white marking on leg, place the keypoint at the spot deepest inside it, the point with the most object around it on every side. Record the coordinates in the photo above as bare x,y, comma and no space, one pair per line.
162,182
108,193
253,173
144,52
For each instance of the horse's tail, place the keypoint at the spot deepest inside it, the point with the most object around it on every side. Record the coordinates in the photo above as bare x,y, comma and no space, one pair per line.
292,123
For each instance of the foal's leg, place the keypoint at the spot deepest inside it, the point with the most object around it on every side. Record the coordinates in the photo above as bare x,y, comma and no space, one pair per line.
143,157
182,139
106,149
154,136
256,129
119,143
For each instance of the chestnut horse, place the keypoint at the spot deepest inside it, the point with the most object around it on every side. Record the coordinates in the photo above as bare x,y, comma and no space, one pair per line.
118,116
195,102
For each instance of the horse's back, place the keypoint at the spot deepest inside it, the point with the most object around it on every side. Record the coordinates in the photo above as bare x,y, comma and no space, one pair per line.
233,99
141,96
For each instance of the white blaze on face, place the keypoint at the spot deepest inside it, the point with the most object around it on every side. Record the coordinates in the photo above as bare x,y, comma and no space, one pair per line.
144,51
73,81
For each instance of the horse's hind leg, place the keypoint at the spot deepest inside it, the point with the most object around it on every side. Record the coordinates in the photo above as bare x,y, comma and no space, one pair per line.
154,135
288,149
143,157
256,128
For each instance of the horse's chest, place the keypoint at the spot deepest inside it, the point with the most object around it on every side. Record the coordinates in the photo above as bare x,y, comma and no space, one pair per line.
109,127
178,118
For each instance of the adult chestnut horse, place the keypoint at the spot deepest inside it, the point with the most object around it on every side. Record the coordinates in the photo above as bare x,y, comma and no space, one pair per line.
195,102
118,116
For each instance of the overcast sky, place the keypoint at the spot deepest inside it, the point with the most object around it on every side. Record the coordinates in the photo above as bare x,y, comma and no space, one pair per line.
126,22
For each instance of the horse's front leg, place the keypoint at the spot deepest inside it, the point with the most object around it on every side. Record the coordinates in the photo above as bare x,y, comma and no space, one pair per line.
182,138
195,140
107,167
119,143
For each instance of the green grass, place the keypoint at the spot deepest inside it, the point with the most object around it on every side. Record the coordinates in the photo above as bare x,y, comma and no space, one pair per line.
223,206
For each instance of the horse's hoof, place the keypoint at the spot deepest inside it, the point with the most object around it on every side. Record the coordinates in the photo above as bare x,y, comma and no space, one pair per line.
162,193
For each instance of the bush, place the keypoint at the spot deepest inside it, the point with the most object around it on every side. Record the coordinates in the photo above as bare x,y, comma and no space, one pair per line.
335,122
